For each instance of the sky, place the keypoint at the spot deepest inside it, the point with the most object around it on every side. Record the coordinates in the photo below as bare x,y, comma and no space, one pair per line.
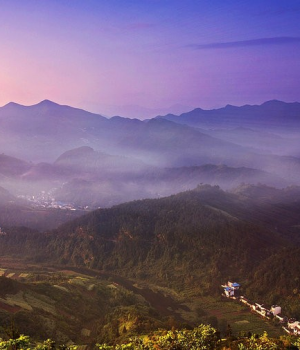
147,57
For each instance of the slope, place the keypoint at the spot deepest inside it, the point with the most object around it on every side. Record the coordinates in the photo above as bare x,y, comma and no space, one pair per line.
199,236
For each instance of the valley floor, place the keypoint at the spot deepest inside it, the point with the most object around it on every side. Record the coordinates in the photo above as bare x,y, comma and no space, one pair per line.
170,308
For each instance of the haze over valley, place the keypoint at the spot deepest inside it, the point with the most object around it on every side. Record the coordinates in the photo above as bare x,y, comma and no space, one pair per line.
81,159
149,175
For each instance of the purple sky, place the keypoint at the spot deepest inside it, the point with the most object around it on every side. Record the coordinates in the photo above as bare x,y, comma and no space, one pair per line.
141,58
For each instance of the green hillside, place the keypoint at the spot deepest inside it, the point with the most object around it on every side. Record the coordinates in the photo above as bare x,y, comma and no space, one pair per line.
196,239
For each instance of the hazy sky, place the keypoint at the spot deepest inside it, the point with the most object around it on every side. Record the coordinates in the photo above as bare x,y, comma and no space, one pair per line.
110,56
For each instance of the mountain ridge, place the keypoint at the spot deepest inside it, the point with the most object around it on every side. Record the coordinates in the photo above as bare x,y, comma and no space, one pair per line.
271,104
123,154
230,116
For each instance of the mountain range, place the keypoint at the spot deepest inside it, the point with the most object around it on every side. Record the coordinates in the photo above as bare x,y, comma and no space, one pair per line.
271,115
186,203
87,159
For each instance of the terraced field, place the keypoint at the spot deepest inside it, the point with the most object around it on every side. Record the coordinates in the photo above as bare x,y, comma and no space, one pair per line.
84,306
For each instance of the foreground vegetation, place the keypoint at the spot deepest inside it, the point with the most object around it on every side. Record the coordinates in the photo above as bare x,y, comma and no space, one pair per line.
201,337
82,306
117,273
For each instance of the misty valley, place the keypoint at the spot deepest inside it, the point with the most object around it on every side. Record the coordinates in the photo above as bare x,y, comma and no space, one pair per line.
114,228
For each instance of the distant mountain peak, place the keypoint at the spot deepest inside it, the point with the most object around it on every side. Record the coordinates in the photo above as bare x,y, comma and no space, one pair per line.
78,151
44,103
47,103
274,101
229,107
12,105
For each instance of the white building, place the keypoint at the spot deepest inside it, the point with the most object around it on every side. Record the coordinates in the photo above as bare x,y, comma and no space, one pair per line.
230,289
275,309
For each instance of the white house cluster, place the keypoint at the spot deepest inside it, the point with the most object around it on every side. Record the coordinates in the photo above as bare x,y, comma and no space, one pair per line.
290,325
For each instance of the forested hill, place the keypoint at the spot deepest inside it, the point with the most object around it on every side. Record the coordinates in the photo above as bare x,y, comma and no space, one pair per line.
196,239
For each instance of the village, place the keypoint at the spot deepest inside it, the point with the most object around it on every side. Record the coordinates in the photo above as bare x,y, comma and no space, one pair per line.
231,290
47,200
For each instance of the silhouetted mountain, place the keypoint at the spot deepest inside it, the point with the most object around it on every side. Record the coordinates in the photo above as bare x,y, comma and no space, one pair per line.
116,157
41,131
135,111
46,130
270,115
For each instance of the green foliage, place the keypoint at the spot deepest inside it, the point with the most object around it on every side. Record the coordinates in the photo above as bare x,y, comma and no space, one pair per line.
166,239
203,337
261,343
296,342
23,342
46,345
